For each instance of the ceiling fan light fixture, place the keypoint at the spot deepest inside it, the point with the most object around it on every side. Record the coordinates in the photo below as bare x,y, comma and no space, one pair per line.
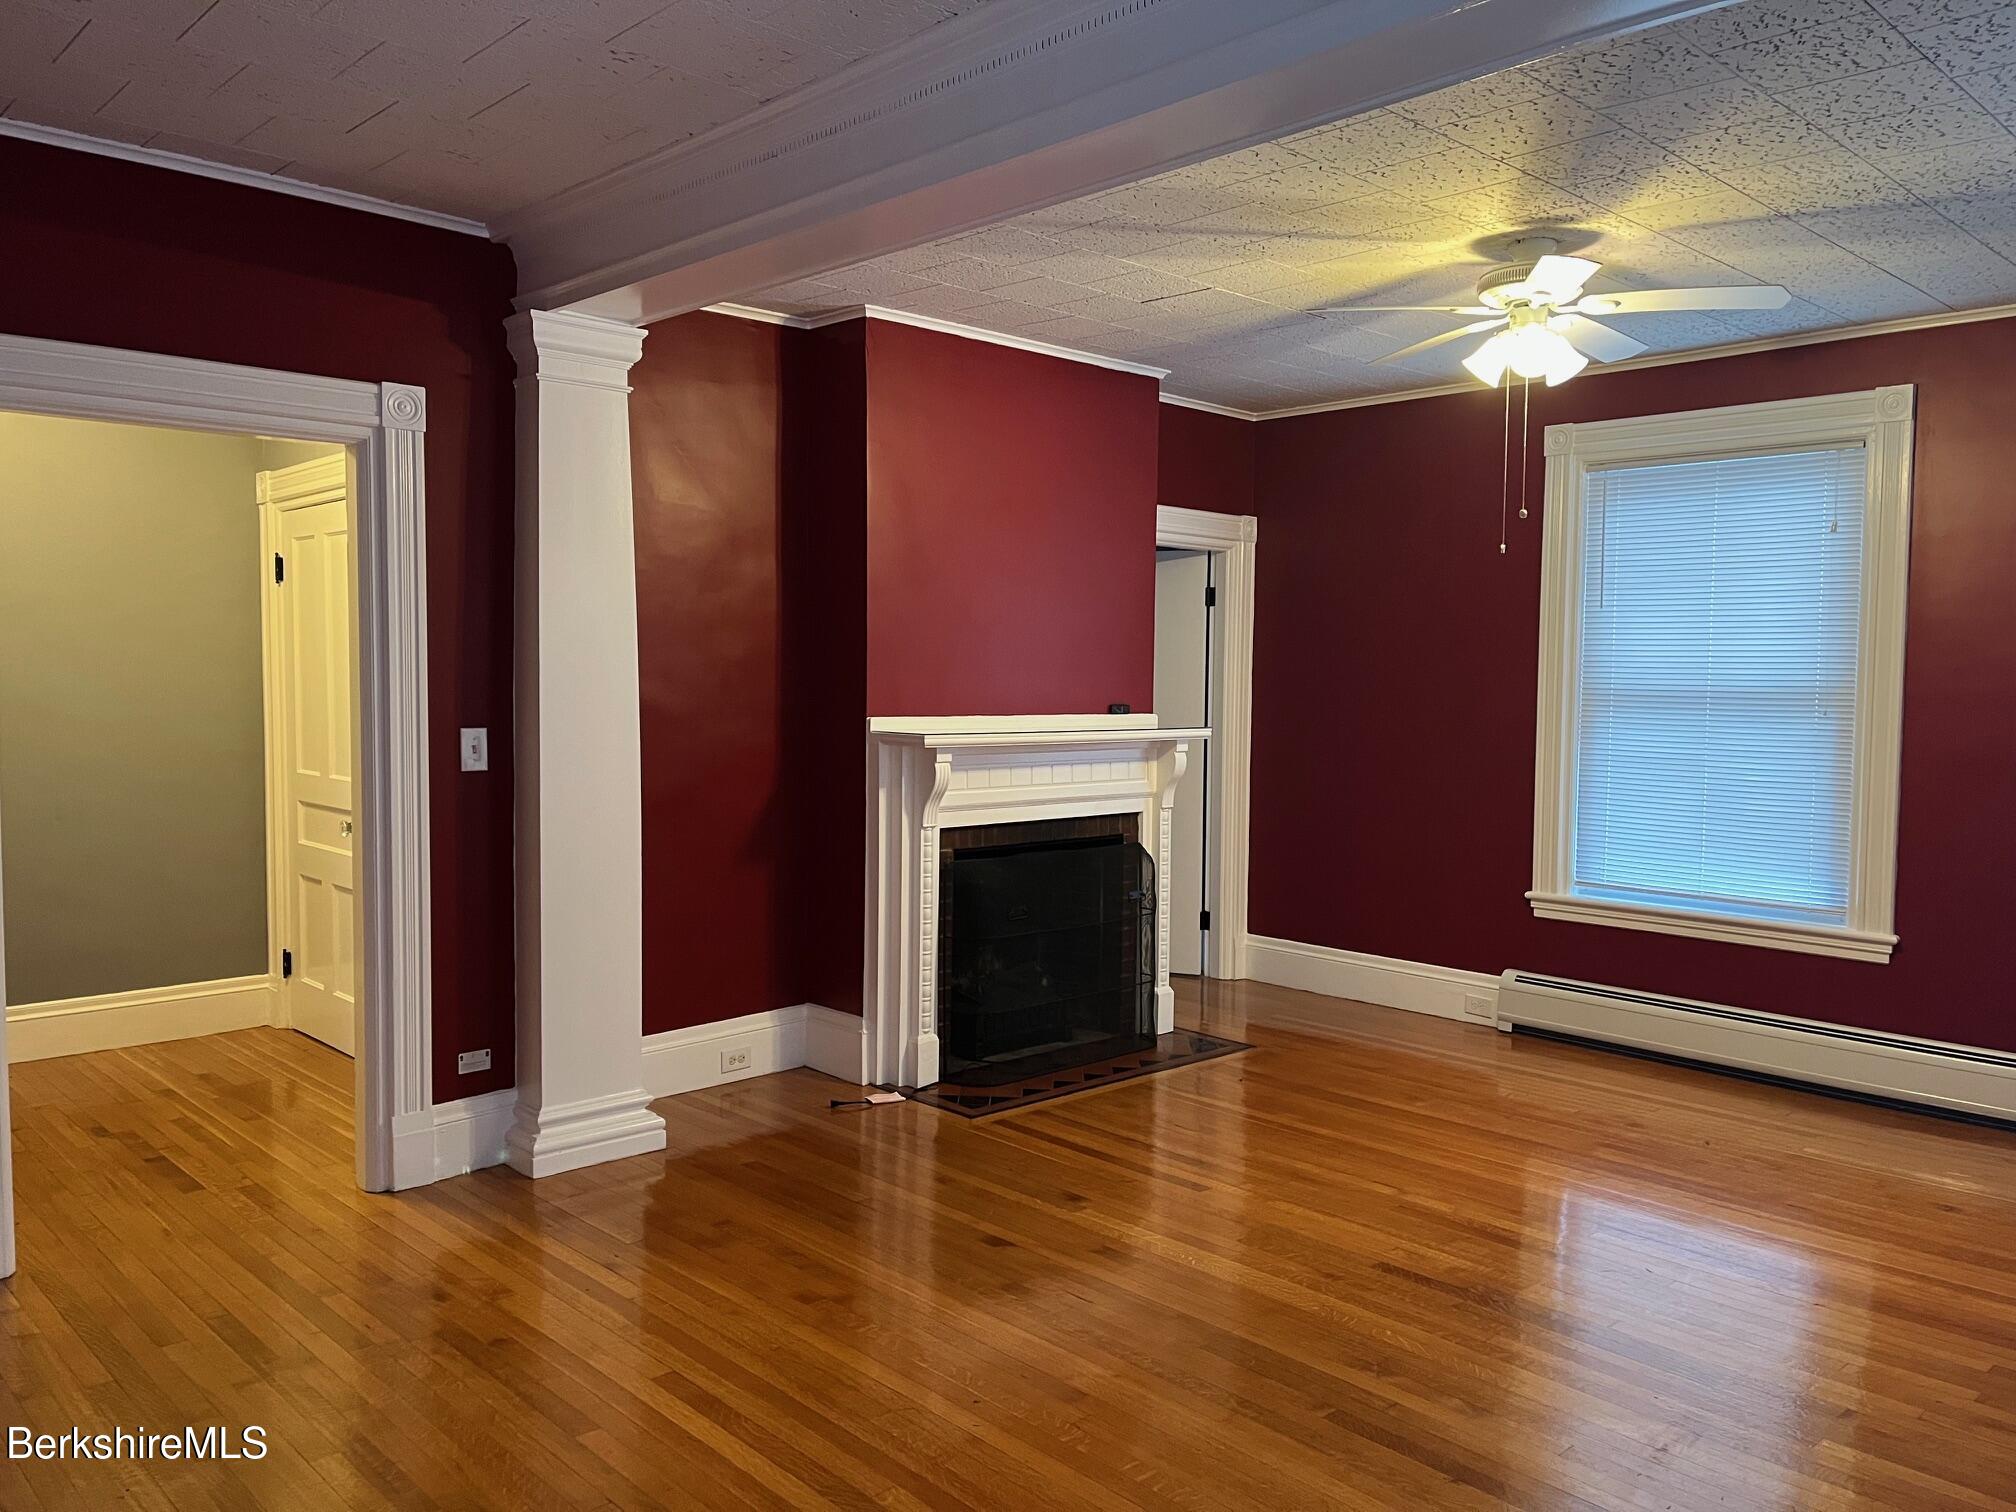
1488,363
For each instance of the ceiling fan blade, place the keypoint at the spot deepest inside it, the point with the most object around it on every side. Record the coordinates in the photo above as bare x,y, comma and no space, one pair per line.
1596,340
1434,341
1644,301
1419,309
1561,275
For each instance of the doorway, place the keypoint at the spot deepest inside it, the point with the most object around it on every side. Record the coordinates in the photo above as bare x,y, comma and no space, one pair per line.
1204,566
402,1138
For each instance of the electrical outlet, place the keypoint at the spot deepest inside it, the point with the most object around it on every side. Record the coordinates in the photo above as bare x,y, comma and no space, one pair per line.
472,1060
1478,1006
735,1060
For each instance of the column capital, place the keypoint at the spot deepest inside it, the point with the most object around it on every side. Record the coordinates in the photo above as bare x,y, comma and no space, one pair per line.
559,346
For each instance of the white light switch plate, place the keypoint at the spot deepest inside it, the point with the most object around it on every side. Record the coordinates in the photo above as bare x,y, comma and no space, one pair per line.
475,750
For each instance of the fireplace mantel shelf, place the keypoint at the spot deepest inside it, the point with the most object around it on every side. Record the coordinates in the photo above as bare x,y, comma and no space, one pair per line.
942,739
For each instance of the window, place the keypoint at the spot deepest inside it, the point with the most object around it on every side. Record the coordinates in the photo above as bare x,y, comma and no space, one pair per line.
1721,672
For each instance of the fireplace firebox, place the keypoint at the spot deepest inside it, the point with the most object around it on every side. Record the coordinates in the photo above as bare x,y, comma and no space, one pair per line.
1046,946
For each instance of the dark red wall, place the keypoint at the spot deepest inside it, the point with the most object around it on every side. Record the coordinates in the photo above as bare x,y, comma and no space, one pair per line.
1395,666
1206,461
117,254
825,628
705,412
1011,529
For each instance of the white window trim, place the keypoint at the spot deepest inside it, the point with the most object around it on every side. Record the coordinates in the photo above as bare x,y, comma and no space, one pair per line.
1880,420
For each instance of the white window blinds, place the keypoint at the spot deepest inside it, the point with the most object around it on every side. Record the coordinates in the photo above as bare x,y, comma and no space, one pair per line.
1716,732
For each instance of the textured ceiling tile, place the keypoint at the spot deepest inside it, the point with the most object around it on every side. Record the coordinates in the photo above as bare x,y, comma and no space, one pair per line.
1376,140
1974,45
1980,170
1819,54
1628,69
1820,181
1887,91
1740,25
1913,132
448,29
1529,127
1766,140
1690,112
1918,15
1995,90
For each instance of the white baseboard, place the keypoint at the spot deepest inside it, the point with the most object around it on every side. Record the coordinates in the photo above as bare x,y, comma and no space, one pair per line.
1965,1078
452,1139
545,1141
805,1034
119,1020
1413,985
837,1044
685,1060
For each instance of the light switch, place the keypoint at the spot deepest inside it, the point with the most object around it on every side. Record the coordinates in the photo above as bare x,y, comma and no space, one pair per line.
476,750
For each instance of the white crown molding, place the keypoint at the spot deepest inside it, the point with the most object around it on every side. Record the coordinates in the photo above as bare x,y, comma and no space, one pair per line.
999,111
933,323
1184,401
155,157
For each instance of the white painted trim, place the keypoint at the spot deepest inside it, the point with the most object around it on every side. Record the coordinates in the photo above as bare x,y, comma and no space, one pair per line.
118,1020
1232,539
384,424
155,157
1183,401
1003,724
1964,1078
465,1135
1385,981
678,1061
836,1043
578,815
1880,420
944,327
1651,360
684,1060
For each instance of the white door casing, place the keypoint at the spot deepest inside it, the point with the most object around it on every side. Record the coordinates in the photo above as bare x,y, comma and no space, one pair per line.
1183,701
384,425
308,582
1230,539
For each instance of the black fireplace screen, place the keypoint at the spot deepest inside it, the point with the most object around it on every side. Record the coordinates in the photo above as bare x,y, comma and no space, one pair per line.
1046,955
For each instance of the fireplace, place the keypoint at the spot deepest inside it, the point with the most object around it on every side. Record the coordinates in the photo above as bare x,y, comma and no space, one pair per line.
1096,790
1046,946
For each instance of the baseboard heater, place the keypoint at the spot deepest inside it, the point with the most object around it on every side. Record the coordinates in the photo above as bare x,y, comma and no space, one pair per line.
1961,1078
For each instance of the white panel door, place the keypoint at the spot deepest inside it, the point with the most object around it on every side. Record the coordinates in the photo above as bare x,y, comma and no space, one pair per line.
1183,701
312,598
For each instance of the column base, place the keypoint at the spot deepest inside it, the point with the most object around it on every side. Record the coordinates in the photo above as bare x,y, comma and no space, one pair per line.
544,1141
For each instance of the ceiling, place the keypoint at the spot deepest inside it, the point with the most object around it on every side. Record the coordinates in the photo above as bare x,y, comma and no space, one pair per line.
1860,152
468,107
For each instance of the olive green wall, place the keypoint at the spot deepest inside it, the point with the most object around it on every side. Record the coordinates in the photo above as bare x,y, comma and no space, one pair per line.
132,765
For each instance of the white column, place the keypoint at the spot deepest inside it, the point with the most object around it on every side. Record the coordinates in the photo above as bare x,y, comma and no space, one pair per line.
580,839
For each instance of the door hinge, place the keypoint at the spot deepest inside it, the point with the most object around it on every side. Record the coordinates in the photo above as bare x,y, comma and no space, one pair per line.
1204,919
279,568
1210,596
286,963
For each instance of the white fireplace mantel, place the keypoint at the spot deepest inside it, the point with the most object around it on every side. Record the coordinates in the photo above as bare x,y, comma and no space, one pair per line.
925,775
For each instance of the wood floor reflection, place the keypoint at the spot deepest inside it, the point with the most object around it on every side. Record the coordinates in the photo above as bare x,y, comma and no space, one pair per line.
1378,1261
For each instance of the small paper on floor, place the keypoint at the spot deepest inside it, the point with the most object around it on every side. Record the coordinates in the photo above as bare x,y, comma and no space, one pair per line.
872,1100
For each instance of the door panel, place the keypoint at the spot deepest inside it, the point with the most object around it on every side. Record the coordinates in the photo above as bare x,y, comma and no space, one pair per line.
313,599
1182,701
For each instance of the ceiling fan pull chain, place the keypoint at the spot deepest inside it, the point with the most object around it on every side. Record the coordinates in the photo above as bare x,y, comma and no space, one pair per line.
1505,472
1525,437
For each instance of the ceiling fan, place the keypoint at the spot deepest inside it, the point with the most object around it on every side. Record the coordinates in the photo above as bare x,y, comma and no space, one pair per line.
1540,316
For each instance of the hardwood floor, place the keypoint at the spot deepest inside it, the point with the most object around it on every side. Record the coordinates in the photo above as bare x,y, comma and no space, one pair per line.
1380,1261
